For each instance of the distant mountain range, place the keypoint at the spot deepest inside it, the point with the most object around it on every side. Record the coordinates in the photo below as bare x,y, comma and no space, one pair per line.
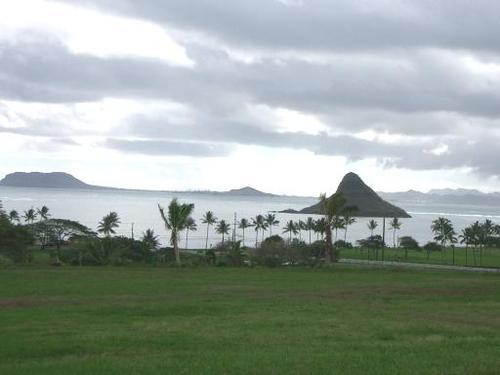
444,196
61,180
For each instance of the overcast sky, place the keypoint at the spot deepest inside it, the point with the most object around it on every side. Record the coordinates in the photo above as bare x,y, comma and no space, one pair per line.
283,95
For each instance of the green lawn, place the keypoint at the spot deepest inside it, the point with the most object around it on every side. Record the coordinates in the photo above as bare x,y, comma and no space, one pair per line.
114,320
490,257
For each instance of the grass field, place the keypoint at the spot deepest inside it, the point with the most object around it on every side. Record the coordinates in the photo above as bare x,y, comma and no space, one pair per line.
490,256
114,320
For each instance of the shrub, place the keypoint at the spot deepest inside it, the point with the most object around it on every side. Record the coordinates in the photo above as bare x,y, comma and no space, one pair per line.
15,241
372,242
271,253
432,246
341,244
407,242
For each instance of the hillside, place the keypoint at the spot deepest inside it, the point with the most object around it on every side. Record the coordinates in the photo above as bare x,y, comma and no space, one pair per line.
44,180
367,202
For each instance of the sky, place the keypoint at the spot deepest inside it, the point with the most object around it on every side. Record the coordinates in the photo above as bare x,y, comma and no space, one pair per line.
286,96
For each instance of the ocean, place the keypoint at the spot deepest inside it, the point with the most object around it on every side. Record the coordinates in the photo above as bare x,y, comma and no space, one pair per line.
139,210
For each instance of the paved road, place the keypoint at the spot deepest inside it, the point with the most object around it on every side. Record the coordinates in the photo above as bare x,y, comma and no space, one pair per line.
417,265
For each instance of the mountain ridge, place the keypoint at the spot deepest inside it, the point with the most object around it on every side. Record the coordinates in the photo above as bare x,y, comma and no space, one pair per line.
63,180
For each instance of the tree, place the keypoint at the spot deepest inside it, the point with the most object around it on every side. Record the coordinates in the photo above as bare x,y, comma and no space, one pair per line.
310,227
330,208
176,219
395,225
467,237
108,224
348,220
443,231
43,213
271,221
372,225
258,223
3,214
62,230
290,228
223,229
150,239
30,215
15,241
14,216
244,224
337,223
208,219
190,226
320,227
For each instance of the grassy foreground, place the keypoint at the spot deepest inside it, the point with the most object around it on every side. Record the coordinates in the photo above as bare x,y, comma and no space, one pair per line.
489,257
250,321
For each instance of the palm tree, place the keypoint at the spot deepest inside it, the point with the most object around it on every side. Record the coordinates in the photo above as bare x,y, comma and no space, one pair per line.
30,215
108,224
291,228
150,239
271,221
209,219
320,227
310,227
443,231
257,223
467,237
301,225
14,216
395,225
223,228
337,223
175,221
348,220
190,226
3,215
372,225
43,213
330,208
244,224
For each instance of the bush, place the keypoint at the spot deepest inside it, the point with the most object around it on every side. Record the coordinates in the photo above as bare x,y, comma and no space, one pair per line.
432,246
341,244
271,253
372,242
15,241
409,243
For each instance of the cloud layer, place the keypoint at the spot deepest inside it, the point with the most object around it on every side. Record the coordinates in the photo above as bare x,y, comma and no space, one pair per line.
412,85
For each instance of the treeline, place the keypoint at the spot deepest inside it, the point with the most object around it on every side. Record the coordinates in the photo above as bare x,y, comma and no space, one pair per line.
308,242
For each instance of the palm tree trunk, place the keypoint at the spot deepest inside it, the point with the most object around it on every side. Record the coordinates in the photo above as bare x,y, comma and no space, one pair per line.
329,257
345,234
206,242
223,238
256,238
176,248
309,236
243,238
187,234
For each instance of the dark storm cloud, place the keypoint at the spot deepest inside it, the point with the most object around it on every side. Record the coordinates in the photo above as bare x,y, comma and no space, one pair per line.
162,148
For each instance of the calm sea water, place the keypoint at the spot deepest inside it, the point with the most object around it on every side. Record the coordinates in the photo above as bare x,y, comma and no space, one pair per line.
140,210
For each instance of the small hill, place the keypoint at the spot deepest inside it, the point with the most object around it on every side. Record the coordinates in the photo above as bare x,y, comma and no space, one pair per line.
44,180
248,191
360,195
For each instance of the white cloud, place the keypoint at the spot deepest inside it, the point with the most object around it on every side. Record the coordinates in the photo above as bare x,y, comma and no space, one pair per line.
88,31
